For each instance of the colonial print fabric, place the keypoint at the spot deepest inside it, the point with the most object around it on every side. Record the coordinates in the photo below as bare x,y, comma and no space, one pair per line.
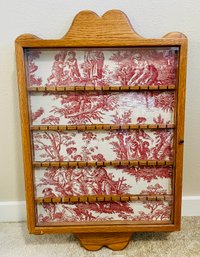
102,67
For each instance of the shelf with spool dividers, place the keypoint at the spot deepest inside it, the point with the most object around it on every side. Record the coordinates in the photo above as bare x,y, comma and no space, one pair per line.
103,198
102,163
101,88
83,127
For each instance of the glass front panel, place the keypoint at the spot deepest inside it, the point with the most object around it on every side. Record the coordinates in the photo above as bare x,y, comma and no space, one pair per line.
103,211
102,108
103,145
65,181
101,68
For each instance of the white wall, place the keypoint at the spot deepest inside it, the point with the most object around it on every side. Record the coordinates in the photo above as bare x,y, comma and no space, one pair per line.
51,19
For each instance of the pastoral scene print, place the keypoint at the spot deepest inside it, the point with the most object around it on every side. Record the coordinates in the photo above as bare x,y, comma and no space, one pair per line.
75,181
99,67
103,145
99,107
138,211
102,66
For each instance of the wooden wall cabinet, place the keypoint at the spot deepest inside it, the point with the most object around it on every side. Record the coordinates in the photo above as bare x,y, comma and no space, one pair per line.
102,114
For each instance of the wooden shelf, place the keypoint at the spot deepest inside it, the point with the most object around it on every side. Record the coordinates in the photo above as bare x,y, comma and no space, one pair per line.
104,163
100,88
103,198
101,127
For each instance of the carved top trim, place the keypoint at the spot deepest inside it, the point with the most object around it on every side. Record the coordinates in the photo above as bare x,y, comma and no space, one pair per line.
113,24
88,27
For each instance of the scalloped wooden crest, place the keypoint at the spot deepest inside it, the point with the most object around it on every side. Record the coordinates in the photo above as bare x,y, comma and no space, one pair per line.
113,25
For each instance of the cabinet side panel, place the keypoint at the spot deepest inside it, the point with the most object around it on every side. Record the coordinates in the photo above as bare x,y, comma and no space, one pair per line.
26,142
179,140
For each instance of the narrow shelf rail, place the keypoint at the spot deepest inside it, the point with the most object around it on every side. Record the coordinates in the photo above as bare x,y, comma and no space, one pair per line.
103,163
103,198
99,88
82,127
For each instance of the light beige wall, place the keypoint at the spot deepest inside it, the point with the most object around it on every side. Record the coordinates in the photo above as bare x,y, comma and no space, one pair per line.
51,19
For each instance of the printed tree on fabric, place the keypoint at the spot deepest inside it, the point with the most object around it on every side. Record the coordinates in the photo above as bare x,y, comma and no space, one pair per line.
87,108
158,209
52,151
140,144
32,68
164,143
148,174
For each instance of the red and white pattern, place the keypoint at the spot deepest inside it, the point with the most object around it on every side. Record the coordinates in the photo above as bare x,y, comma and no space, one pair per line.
60,182
103,211
102,108
100,67
96,66
103,145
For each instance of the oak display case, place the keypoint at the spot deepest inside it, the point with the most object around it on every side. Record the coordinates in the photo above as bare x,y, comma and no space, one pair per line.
102,114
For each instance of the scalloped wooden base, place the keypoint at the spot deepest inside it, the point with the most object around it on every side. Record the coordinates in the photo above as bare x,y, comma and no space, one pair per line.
95,241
